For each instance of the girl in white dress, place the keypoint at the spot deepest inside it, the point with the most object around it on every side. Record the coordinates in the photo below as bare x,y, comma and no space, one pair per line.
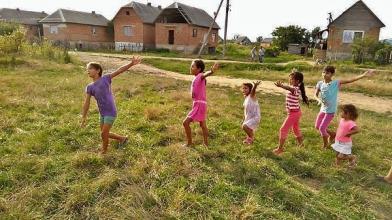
251,111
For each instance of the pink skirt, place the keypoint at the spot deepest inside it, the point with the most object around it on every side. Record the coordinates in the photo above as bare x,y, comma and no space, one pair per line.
199,111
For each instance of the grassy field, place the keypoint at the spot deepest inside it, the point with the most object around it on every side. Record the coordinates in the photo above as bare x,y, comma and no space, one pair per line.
379,85
49,167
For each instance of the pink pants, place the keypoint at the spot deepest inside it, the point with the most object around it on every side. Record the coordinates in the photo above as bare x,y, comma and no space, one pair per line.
292,121
322,122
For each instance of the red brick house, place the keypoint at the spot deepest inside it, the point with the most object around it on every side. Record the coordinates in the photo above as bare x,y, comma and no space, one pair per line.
358,21
134,27
75,29
28,19
181,27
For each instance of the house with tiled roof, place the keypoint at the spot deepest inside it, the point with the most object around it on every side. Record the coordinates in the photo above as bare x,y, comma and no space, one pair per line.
357,22
134,27
28,19
76,29
183,28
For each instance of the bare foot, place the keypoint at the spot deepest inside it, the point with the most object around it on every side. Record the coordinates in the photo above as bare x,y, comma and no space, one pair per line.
353,162
187,145
278,151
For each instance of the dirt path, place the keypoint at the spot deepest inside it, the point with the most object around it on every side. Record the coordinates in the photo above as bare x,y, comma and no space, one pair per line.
187,59
375,104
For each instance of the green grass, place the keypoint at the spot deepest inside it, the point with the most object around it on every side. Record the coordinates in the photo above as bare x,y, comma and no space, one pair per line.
378,85
49,167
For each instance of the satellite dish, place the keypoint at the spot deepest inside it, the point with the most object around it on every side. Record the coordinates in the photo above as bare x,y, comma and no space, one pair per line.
324,36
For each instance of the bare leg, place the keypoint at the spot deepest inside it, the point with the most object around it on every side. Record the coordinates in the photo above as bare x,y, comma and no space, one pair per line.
105,129
186,123
388,177
248,131
325,141
300,141
204,128
117,137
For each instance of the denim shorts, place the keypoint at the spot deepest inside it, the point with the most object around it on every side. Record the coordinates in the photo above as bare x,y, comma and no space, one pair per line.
107,120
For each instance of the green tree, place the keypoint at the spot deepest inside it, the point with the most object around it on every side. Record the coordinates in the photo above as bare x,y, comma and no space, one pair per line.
363,49
283,36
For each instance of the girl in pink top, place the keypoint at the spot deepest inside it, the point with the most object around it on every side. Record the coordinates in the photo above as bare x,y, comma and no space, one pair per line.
199,107
295,89
343,142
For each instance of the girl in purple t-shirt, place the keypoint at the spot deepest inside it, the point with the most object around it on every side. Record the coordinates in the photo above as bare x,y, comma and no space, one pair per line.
101,89
199,107
343,142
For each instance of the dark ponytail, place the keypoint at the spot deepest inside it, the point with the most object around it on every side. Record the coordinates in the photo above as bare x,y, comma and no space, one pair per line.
300,77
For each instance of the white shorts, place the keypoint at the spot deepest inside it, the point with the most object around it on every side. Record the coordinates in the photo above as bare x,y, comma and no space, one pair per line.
343,147
252,123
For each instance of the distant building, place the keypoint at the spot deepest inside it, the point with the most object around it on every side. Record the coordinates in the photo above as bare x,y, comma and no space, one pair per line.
134,27
28,19
266,42
299,49
243,40
180,27
357,22
75,29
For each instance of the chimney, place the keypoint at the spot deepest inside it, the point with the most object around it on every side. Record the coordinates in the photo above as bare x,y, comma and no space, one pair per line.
17,9
93,12
159,7
43,12
149,4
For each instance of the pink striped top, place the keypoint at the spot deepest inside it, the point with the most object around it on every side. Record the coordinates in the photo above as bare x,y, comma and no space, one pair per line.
292,99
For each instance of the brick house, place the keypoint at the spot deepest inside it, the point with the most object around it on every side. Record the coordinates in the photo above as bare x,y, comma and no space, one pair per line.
134,27
181,27
358,21
28,19
75,29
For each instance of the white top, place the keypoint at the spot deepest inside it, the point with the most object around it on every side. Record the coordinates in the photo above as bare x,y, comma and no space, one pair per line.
251,109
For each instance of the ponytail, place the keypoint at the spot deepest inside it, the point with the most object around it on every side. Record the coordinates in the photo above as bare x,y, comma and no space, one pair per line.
303,93
300,77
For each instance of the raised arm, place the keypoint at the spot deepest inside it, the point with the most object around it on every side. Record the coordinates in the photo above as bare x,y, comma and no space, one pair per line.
86,106
214,68
365,74
281,85
253,92
134,61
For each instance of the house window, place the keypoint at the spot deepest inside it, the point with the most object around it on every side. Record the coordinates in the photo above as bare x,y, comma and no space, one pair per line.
127,13
94,30
53,29
213,37
350,36
128,31
194,34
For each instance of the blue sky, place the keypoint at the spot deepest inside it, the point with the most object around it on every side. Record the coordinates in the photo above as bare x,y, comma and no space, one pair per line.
247,17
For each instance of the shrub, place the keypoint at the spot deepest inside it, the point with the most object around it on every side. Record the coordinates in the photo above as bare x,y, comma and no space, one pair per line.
383,56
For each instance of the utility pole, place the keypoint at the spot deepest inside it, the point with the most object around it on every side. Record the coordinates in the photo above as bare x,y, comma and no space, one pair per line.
226,23
205,40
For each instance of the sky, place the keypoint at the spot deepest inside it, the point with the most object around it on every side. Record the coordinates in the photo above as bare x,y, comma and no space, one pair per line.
252,18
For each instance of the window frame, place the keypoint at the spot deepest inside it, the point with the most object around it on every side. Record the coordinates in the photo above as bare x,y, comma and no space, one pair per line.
131,32
352,37
53,29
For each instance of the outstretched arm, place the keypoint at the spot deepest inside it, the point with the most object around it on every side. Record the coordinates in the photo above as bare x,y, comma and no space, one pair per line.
253,92
281,85
365,74
86,106
214,68
134,61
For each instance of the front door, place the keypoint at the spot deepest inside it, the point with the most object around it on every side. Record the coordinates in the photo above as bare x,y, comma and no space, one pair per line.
171,37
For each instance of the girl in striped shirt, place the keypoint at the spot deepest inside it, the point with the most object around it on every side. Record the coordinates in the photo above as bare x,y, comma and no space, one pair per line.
295,89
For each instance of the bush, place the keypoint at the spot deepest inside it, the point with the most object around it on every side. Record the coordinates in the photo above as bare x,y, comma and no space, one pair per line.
11,42
383,55
364,49
272,52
